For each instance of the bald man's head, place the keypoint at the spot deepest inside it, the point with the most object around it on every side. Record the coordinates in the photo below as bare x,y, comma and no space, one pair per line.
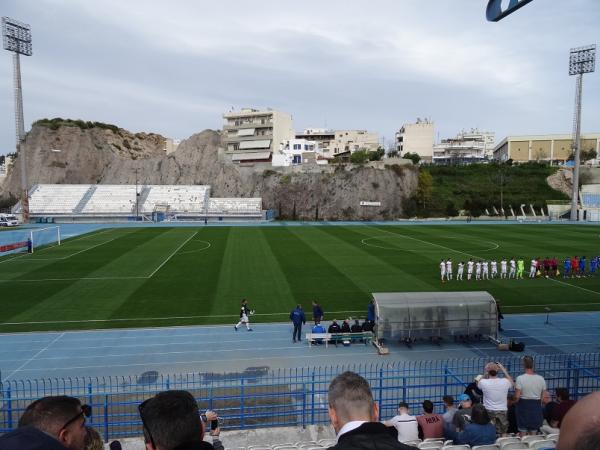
580,427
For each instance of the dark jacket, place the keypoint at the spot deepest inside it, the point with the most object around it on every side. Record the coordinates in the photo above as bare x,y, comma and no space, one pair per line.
370,435
371,312
334,328
345,327
29,438
474,393
356,328
200,445
297,316
476,434
317,312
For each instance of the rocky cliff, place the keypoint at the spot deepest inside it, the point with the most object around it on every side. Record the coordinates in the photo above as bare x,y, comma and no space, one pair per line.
73,153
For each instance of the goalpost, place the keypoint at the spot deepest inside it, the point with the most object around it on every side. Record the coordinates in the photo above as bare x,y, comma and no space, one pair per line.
29,240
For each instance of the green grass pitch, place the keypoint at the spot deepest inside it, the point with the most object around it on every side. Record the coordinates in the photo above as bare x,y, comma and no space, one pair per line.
134,277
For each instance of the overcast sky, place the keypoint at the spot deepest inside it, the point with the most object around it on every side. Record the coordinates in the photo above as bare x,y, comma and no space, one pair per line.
174,67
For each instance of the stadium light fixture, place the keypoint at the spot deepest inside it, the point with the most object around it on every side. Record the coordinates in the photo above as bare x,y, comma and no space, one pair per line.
16,37
582,60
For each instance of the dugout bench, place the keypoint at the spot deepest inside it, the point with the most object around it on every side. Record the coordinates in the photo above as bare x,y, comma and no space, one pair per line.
365,336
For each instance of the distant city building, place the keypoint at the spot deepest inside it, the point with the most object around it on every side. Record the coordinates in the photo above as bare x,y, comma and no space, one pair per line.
8,160
252,135
297,152
466,148
416,138
549,147
171,145
334,143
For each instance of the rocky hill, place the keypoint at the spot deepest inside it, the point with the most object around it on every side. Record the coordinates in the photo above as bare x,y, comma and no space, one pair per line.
63,151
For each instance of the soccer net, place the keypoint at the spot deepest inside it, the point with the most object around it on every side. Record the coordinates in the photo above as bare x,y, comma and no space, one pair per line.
18,241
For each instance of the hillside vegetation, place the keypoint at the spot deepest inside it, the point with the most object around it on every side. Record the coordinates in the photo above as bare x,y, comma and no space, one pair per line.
477,187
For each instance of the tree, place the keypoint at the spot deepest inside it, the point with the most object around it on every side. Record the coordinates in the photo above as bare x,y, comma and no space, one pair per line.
451,210
425,188
586,155
377,155
414,157
359,157
392,154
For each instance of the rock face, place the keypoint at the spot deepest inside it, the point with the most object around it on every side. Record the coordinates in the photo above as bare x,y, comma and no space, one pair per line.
69,154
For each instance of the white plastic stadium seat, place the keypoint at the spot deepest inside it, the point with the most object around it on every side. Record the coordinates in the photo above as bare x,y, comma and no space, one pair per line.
442,440
432,445
532,438
327,442
506,440
552,436
457,447
514,446
544,443
485,447
414,443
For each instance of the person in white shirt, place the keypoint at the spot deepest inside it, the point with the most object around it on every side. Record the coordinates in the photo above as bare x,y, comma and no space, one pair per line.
485,271
494,266
529,390
503,268
459,273
478,270
495,393
443,270
449,269
405,424
469,269
532,268
513,268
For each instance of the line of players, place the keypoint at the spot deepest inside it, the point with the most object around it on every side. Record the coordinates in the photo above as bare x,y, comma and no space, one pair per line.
514,268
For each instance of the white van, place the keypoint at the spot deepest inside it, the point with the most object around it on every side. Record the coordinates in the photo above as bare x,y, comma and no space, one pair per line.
8,220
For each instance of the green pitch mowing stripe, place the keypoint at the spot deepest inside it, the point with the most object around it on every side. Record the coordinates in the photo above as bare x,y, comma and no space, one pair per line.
176,276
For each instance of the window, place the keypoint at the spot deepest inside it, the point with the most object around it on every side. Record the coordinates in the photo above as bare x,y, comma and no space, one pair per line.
297,146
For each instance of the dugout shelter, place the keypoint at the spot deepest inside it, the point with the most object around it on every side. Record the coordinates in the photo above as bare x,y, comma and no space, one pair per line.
411,316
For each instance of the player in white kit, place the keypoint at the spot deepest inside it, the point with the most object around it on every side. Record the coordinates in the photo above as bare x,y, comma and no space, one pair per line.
494,266
469,269
448,269
459,273
485,271
443,270
533,268
478,270
513,268
503,268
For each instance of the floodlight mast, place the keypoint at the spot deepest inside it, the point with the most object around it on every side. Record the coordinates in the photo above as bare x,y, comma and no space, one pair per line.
16,37
582,60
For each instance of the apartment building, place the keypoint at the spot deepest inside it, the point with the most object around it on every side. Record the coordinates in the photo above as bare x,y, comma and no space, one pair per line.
416,138
467,147
334,143
252,135
295,152
548,147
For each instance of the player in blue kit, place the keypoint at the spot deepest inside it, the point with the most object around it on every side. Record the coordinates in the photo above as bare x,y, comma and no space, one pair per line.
567,267
593,265
582,266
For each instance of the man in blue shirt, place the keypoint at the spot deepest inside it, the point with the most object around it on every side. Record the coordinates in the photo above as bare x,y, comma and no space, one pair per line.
567,267
318,328
298,319
582,266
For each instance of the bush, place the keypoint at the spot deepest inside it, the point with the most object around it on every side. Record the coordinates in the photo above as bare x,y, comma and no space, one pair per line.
359,157
413,157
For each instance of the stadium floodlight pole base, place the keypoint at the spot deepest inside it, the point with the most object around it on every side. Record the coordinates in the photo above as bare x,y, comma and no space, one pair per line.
548,311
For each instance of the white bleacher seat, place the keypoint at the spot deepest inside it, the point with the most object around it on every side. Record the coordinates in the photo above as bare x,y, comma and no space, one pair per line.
485,447
514,446
414,443
56,198
542,443
180,199
431,445
234,206
456,447
532,438
327,442
507,440
552,436
111,199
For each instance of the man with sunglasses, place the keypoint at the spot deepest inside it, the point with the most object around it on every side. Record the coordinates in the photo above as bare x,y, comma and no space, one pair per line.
171,421
50,423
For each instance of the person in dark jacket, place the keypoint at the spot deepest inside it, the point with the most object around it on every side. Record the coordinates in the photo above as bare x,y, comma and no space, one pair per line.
346,326
479,432
317,312
357,327
371,312
354,416
29,438
298,319
473,391
171,421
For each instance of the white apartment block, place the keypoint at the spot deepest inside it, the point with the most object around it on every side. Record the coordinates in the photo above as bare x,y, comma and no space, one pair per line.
416,138
337,142
295,152
466,148
252,135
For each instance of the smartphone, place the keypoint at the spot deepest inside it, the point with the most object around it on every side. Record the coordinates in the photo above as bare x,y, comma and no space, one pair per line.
203,418
214,424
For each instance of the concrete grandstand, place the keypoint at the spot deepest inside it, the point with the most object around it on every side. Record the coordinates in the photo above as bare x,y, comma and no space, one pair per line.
123,202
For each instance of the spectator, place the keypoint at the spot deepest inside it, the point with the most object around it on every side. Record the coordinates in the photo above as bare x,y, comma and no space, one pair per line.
529,389
318,328
463,415
298,319
405,424
371,312
93,440
480,431
448,416
346,326
171,421
495,393
580,426
317,311
473,391
50,423
367,326
354,416
356,328
547,405
511,414
562,408
431,425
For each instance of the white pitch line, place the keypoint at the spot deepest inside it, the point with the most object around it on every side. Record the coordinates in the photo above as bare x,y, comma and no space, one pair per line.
34,356
575,286
199,250
364,242
20,280
157,318
171,255
73,254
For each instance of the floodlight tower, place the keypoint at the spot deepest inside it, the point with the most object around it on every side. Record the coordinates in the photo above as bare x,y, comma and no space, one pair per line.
582,60
17,39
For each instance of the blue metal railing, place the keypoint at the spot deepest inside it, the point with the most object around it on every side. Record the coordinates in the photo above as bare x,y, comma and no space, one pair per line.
285,397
